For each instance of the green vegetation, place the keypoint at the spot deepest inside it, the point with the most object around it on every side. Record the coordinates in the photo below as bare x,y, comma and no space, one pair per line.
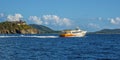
20,27
13,28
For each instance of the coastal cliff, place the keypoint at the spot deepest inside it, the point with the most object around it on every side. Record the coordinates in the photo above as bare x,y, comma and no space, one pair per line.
16,27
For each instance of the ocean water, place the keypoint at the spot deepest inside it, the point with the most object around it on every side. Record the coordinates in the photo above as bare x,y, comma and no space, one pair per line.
53,47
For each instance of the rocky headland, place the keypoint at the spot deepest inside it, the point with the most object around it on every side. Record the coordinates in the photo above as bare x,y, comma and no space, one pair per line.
17,27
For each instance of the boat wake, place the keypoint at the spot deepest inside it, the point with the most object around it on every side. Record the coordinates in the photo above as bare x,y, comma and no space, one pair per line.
44,36
29,36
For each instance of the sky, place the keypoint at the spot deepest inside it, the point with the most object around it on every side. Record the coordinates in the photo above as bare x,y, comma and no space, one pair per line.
89,15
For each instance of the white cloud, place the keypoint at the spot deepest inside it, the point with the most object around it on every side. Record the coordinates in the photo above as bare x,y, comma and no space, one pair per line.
15,17
115,21
100,18
56,20
67,21
51,17
1,15
35,19
92,25
52,21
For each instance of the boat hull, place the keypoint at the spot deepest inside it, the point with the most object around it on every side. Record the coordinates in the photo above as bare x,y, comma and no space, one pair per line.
82,34
66,35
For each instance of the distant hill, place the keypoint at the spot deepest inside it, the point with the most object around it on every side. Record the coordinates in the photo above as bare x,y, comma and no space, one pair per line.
108,31
20,27
16,27
43,29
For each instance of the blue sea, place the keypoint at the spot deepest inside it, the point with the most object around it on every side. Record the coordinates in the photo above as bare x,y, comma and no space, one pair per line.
53,47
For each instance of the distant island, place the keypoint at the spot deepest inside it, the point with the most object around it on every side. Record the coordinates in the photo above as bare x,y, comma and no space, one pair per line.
21,27
107,31
16,27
